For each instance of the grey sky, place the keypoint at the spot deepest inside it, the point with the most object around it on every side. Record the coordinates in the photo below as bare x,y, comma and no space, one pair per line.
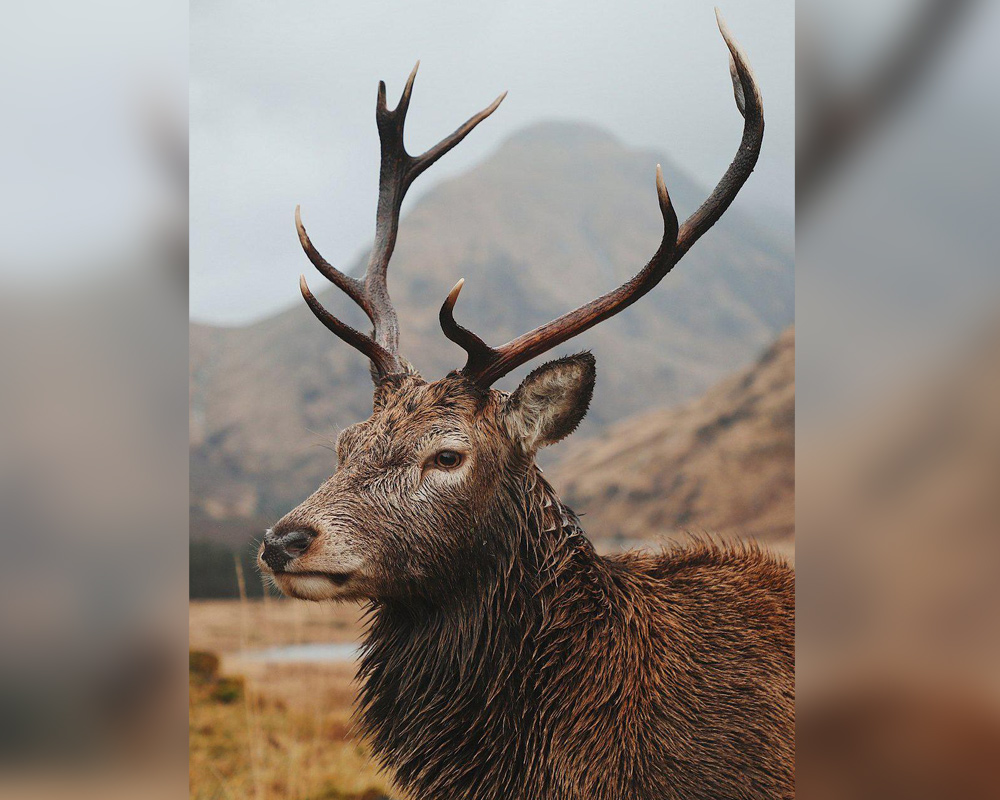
283,97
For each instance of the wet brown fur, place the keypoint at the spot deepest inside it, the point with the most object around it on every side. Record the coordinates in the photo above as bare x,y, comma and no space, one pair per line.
505,658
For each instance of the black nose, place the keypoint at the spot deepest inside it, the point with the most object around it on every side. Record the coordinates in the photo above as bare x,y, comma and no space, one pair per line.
280,548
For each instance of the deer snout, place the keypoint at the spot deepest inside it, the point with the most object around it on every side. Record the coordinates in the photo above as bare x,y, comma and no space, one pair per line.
280,547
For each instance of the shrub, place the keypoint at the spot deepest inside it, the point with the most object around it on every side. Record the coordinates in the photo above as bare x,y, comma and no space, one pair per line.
228,690
203,666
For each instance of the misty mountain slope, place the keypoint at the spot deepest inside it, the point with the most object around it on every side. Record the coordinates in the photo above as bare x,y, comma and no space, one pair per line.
723,464
558,215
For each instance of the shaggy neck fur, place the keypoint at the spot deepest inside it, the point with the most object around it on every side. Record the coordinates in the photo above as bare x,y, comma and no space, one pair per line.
458,698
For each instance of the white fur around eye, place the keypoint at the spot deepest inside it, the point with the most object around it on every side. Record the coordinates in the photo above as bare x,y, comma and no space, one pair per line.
434,479
428,458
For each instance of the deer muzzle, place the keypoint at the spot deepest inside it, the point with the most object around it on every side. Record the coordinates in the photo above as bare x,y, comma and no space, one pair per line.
309,561
280,548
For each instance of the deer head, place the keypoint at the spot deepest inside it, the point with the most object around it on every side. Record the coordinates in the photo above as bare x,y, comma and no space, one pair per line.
425,483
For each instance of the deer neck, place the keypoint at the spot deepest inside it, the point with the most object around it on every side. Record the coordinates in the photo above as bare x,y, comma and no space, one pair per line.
471,674
556,542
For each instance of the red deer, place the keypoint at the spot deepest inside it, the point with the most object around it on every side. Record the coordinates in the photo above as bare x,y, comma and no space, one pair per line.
504,657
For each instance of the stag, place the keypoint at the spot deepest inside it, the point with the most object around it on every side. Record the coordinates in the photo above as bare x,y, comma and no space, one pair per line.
503,656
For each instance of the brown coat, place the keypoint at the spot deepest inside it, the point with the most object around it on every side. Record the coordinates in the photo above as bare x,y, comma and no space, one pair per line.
636,676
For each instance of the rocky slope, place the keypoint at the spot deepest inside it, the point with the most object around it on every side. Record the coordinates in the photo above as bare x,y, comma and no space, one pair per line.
723,464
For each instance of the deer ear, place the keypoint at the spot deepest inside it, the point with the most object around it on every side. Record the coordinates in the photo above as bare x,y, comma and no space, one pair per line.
551,401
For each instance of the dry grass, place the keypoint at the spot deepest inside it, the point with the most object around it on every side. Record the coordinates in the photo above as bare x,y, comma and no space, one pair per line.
218,625
289,735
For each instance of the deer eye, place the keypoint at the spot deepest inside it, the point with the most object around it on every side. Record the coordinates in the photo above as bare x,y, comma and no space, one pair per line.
448,459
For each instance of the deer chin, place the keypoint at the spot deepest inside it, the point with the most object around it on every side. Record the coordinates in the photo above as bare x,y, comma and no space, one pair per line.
315,585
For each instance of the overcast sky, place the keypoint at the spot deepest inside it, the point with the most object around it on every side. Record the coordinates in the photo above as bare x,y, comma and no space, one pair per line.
283,99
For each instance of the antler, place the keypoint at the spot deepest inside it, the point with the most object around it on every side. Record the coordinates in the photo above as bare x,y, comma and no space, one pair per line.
398,170
487,364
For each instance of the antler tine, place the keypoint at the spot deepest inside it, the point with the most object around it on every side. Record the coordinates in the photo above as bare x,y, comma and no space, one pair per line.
486,364
352,287
751,106
397,171
432,154
480,353
384,361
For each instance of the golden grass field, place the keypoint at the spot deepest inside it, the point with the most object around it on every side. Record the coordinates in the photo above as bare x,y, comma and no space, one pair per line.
271,731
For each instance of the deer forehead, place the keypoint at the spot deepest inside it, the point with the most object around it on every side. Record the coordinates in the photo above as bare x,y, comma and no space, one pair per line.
418,415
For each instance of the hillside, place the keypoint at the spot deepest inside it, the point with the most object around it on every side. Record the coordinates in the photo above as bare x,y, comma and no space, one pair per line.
723,464
559,214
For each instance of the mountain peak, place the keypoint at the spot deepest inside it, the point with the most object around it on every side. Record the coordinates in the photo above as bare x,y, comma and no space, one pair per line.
562,133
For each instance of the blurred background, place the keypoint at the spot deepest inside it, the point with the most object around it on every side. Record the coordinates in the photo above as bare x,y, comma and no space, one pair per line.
897,415
892,451
93,355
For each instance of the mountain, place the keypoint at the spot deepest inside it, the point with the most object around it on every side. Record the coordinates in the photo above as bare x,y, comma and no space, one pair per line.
723,464
558,215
